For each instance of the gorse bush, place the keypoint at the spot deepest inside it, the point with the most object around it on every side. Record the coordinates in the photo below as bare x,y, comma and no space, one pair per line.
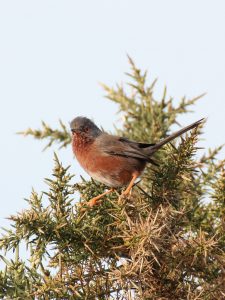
164,241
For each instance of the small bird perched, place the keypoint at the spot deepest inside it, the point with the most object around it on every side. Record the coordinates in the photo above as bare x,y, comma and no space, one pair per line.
113,160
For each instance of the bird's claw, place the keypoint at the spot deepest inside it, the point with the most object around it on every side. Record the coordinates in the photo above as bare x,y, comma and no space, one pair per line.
89,204
126,193
93,202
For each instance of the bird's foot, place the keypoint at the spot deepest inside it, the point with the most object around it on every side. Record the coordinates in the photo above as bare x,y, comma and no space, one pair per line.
96,200
129,188
89,204
126,192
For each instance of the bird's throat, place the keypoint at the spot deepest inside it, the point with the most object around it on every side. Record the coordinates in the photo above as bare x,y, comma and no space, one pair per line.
81,142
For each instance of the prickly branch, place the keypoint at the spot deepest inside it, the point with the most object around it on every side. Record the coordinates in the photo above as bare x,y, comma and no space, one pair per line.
165,241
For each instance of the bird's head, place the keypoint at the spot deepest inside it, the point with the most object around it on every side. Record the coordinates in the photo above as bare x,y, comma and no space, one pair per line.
82,126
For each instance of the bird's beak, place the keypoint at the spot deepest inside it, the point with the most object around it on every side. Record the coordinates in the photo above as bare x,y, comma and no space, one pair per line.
75,130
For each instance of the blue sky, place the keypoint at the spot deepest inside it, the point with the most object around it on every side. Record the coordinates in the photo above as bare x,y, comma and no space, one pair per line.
54,53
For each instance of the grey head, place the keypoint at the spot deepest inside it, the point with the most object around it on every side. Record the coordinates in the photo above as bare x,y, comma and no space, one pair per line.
83,125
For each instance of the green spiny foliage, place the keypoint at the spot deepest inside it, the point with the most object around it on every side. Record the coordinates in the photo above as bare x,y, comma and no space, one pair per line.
165,241
61,136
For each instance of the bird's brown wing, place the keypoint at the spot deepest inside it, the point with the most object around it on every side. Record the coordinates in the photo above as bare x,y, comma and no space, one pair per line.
119,146
135,144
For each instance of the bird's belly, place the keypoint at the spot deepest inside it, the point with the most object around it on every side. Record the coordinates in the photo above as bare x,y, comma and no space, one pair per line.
108,180
113,171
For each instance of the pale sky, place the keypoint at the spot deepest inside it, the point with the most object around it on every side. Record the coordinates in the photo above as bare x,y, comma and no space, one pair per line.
54,53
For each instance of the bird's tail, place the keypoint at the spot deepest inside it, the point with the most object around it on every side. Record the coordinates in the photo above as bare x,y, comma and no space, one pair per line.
157,146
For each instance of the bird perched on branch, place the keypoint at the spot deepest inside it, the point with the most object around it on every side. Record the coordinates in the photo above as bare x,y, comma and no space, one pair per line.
113,160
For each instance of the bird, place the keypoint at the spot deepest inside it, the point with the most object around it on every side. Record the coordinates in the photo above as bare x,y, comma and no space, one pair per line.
113,160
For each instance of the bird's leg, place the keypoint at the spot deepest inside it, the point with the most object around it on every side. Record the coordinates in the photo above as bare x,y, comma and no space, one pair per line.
94,200
127,191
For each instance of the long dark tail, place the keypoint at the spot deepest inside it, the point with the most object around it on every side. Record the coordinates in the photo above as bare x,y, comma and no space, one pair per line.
157,146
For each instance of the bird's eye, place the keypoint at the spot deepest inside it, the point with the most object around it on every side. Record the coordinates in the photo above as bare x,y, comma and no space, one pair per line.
86,129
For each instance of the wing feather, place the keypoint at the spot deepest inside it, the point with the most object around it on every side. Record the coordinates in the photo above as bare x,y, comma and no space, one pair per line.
120,146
